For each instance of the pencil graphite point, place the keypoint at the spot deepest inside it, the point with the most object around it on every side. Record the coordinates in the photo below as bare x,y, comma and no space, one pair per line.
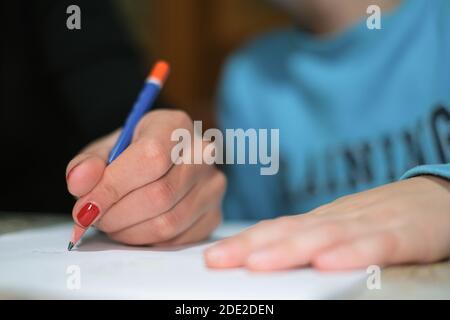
70,246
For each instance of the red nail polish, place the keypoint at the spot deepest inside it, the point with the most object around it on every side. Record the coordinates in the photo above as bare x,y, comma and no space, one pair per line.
87,214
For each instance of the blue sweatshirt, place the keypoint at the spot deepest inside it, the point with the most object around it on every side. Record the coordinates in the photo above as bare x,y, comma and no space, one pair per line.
355,111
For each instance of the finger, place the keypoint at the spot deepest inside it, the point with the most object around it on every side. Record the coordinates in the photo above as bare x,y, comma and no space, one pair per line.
200,231
153,199
299,249
233,252
85,170
384,248
172,223
144,161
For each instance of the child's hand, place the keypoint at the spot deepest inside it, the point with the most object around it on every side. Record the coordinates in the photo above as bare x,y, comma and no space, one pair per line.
142,197
407,221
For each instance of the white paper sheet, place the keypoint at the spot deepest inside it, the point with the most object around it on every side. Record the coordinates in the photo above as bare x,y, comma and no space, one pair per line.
36,264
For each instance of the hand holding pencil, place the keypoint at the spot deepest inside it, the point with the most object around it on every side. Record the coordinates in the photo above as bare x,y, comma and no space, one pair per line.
128,187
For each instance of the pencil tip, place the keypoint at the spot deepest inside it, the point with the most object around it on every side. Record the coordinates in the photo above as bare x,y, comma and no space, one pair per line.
70,246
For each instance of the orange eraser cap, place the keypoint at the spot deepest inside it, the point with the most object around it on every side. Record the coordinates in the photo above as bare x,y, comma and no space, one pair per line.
160,71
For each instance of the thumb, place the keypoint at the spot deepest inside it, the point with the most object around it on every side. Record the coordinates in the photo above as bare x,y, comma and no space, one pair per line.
85,170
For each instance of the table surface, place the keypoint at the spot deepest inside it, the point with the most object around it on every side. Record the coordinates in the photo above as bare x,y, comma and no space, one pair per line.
430,281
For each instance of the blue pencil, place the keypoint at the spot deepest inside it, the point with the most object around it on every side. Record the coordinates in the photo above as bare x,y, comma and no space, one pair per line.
143,104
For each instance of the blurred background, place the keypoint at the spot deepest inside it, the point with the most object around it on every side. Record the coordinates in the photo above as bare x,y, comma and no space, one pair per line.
196,36
62,88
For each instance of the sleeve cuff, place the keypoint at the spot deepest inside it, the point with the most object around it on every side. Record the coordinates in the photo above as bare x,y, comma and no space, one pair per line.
438,170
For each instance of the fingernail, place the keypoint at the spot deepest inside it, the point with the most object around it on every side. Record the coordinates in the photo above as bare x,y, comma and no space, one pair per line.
87,214
215,254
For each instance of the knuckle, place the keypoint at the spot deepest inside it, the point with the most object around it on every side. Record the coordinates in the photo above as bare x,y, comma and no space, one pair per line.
154,153
166,227
263,224
217,219
162,194
291,223
248,239
220,181
342,200
151,149
388,243
294,245
109,187
331,231
143,123
326,208
181,118
284,220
